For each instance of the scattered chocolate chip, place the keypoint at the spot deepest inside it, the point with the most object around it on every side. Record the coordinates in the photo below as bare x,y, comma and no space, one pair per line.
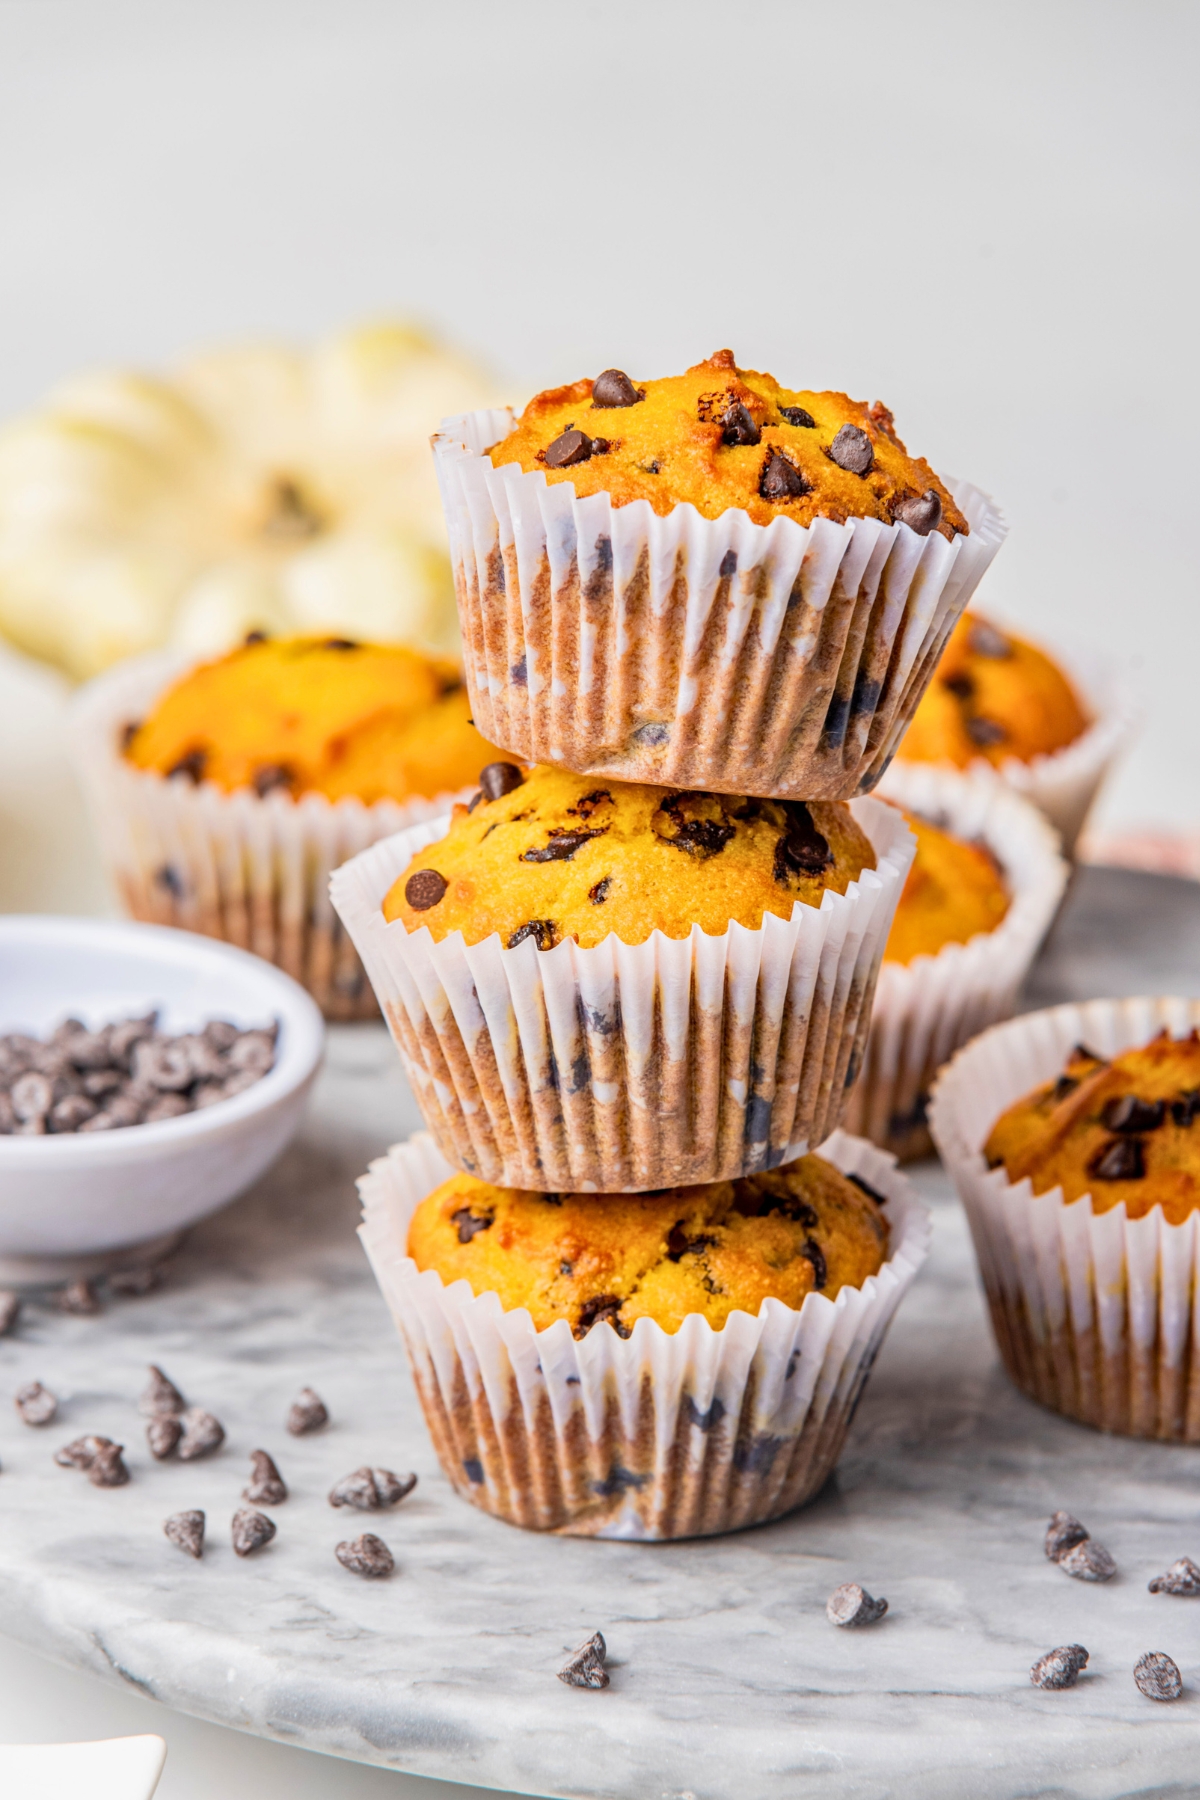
250,1530
816,1257
862,1183
1157,1676
984,732
79,1298
1062,1534
780,479
35,1404
270,778
850,1604
602,1309
612,387
254,637
1066,1084
370,1490
266,1486
921,513
106,1468
306,1413
960,684
585,1669
562,845
801,850
186,1532
163,1435
160,1396
679,1244
425,889
202,1434
341,643
851,450
738,426
1185,1111
572,447
134,1283
469,1223
366,1555
1059,1668
984,640
601,446
192,764
1121,1159
684,821
1129,1114
1088,1561
796,415
500,778
81,1452
597,895
650,468
544,933
587,804
10,1311
475,800
1183,1577
128,732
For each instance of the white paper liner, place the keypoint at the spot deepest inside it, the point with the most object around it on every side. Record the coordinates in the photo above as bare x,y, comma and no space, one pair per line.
658,1435
1065,784
630,1066
1095,1315
252,871
924,1010
704,653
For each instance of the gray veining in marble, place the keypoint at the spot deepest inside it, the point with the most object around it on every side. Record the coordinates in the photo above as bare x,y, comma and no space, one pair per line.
727,1681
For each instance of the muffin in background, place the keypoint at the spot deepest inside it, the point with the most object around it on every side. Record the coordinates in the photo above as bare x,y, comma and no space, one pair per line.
225,793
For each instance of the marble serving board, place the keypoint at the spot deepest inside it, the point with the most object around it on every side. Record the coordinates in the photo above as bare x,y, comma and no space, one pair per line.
727,1681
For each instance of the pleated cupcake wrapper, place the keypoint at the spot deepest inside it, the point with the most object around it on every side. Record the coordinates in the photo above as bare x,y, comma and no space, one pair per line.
926,1009
630,1066
252,871
659,1435
705,653
1096,1315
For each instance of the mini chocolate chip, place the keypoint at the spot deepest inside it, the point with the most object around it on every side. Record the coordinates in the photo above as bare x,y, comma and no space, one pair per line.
81,1452
921,513
192,764
544,933
1121,1159
306,1413
738,426
851,450
336,643
850,1604
796,415
1185,1111
650,468
270,778
679,1244
1059,1668
701,837
566,1268
475,799
1129,1114
1066,1084
1157,1676
867,1189
469,1223
1062,1534
80,1298
163,1435
802,850
202,1434
985,732
106,1468
129,731
984,640
250,1530
816,1257
370,1490
960,684
254,637
500,778
585,1669
601,1309
425,889
587,804
35,1404
186,1532
1088,1561
570,448
612,387
160,1396
781,479
599,893
601,446
366,1555
267,1486
1183,1577
562,846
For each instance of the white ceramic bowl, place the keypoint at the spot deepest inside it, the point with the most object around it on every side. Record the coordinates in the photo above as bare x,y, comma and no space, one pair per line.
113,1769
76,1204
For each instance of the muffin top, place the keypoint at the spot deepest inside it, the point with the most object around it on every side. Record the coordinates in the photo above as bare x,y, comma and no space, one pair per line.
721,437
617,1258
315,715
954,891
547,854
993,696
1126,1130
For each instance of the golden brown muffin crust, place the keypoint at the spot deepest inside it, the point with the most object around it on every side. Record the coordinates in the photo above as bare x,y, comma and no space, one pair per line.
993,696
561,855
953,892
617,1258
721,437
1124,1131
316,715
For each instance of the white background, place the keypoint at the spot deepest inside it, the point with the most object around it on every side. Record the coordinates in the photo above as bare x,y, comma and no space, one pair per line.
984,215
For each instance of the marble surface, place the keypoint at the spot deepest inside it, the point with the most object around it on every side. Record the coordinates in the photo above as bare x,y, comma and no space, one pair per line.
727,1681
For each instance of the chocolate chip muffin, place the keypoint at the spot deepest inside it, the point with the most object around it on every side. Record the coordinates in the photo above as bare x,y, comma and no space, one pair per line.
720,437
953,892
615,1258
546,854
1125,1131
994,696
315,715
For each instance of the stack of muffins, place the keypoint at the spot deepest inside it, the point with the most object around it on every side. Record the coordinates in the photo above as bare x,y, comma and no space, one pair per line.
631,977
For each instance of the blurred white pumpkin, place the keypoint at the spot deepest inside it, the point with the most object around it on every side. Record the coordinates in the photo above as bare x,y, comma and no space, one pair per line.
252,489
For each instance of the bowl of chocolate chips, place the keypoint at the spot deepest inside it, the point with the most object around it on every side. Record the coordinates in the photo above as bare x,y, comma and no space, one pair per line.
147,1076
